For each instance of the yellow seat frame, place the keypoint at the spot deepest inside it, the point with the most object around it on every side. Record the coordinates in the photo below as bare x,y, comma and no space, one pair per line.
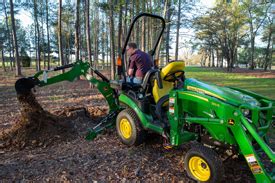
170,68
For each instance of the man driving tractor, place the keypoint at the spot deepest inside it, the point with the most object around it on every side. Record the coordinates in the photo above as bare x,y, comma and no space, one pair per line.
139,63
221,123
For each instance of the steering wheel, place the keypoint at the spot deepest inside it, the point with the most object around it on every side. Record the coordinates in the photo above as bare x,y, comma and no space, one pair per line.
173,76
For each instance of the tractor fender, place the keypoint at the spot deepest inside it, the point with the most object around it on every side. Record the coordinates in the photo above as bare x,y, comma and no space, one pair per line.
145,119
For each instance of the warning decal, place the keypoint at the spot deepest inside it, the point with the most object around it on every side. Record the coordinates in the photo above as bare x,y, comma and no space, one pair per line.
172,100
253,164
171,110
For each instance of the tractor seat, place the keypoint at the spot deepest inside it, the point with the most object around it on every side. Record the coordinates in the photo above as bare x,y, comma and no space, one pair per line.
146,79
168,76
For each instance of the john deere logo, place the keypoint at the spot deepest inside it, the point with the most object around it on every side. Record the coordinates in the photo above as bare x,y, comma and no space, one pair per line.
231,122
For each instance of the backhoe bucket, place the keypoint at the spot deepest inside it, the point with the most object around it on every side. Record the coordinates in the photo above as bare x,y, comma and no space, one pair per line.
24,85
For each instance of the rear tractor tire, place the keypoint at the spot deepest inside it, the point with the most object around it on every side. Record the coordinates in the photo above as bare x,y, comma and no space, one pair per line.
203,164
129,128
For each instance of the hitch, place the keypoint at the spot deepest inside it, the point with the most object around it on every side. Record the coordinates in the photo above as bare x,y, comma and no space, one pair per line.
107,122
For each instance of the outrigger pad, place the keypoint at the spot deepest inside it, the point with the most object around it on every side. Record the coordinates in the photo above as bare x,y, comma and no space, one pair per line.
91,135
24,85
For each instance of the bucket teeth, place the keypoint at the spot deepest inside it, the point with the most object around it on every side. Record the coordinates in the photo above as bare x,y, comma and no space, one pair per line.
24,85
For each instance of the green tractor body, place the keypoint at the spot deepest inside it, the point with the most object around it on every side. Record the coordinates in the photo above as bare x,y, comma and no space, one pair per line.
181,110
229,117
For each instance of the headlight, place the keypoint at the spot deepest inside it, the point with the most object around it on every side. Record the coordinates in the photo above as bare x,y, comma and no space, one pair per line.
245,112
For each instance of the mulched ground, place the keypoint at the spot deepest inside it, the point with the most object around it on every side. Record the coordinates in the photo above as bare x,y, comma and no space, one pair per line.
71,158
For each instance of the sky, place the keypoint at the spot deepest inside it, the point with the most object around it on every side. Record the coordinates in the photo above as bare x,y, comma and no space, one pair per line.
26,19
208,3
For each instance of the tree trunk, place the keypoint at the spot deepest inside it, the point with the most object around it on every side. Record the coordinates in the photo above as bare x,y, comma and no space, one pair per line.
82,31
10,57
8,36
132,12
235,57
88,38
35,40
119,28
125,26
38,67
43,40
137,25
213,58
159,44
96,32
252,42
252,38
222,56
231,63
13,55
228,64
48,35
17,59
218,57
3,61
150,27
60,47
267,57
143,32
271,56
68,51
77,30
167,47
107,41
254,28
112,39
178,31
209,60
103,37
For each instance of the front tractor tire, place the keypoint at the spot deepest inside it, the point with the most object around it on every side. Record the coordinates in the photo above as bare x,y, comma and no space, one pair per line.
129,128
203,164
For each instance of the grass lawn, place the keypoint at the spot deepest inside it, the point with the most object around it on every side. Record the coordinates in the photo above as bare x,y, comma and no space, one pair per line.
263,86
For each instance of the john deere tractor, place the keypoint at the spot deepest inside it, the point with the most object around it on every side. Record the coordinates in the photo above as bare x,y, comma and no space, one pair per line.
217,120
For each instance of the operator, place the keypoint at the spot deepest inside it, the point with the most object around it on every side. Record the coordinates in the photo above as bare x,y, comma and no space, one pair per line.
139,63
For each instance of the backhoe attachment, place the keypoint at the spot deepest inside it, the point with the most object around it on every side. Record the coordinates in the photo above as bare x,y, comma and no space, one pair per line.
24,86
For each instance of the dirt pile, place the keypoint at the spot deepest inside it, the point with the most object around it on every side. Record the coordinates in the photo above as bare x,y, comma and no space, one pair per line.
35,126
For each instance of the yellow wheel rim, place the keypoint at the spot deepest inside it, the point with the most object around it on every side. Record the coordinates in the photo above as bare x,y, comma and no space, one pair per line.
199,168
125,128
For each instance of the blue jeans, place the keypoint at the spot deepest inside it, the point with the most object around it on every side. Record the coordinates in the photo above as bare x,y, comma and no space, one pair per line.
136,80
